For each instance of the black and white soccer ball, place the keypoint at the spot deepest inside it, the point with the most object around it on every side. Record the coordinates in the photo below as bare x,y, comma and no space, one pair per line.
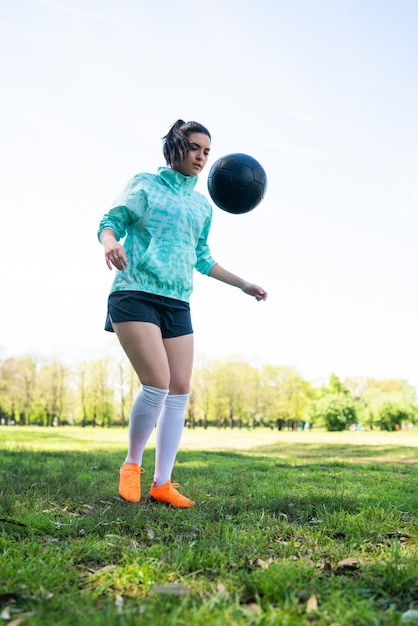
237,183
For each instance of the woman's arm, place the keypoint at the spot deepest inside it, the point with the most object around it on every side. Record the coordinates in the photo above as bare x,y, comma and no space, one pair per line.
227,277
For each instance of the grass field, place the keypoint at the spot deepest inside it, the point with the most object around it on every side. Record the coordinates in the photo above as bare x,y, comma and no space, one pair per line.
289,528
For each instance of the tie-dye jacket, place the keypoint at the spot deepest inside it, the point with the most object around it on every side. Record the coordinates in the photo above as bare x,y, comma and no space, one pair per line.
166,224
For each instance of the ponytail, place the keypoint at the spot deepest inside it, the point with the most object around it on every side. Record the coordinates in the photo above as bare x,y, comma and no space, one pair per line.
176,144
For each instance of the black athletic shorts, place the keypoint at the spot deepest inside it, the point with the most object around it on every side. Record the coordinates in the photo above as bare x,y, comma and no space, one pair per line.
172,316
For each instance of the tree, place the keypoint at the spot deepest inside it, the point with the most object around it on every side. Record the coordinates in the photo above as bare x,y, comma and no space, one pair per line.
201,393
83,391
102,393
370,394
336,411
51,394
285,395
95,393
335,386
127,387
18,386
237,378
227,393
391,415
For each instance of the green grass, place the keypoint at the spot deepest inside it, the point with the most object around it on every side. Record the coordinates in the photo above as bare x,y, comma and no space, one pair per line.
290,528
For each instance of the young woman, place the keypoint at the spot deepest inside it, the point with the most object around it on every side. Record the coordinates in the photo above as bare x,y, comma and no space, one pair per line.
165,224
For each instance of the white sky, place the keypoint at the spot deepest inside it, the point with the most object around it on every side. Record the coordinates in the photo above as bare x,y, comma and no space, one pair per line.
324,93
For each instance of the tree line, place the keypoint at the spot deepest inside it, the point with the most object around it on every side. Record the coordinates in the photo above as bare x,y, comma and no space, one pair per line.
228,393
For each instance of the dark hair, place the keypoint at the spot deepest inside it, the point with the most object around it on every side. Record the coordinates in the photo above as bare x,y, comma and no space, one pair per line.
176,144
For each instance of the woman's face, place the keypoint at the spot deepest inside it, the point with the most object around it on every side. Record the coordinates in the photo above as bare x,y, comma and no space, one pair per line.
197,156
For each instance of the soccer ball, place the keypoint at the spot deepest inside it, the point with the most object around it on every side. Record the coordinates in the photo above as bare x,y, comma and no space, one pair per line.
237,183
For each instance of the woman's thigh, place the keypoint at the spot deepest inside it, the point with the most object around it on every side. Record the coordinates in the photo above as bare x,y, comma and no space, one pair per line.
145,349
180,352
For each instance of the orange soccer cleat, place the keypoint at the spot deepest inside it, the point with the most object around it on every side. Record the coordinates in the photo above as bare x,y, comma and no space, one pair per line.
130,482
168,493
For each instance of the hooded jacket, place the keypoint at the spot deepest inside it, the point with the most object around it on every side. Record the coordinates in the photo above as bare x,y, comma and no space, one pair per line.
166,224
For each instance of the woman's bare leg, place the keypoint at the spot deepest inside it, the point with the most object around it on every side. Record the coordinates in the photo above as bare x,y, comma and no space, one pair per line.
160,365
180,352
144,347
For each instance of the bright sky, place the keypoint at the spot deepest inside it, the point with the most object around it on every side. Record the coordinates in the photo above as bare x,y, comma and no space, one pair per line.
323,93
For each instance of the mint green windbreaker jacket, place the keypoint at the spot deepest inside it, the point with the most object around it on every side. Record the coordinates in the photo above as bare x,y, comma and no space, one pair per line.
166,224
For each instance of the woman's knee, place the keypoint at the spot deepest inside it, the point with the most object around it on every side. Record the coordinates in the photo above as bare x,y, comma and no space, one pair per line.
179,388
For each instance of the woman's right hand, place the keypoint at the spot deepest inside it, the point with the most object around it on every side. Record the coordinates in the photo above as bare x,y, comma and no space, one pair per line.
115,253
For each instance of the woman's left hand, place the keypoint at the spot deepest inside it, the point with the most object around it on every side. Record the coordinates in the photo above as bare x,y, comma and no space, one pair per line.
254,290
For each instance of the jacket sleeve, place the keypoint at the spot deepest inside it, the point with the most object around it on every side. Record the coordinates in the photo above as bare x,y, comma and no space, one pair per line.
127,208
204,262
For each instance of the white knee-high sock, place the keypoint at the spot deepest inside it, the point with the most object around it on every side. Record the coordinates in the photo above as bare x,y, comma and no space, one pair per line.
144,415
169,430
